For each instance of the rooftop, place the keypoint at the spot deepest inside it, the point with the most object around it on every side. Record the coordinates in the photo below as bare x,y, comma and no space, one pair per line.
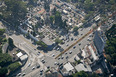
19,54
68,67
82,67
24,57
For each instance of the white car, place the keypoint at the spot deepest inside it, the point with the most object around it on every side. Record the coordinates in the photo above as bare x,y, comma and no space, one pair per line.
55,63
29,64
33,68
70,52
53,55
57,49
41,70
18,74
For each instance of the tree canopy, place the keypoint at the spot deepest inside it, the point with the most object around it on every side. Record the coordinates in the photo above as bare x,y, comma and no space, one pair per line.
110,48
75,29
14,66
14,11
80,74
3,72
84,74
57,41
42,44
5,59
10,42
2,31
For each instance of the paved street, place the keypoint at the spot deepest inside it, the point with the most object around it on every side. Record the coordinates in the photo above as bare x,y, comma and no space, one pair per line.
20,42
83,42
25,44
37,26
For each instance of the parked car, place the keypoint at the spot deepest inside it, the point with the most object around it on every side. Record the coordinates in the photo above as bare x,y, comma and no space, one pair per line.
38,66
33,68
23,74
29,64
70,52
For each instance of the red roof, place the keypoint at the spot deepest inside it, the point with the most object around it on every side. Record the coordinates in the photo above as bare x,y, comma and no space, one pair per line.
41,11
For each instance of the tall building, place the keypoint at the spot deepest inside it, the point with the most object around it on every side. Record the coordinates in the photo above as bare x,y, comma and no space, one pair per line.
99,41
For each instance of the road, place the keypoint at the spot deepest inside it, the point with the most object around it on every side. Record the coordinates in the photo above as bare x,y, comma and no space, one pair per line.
84,36
24,44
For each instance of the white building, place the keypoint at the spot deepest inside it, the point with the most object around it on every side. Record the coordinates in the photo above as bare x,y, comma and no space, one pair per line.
65,12
82,67
97,18
19,54
23,58
68,67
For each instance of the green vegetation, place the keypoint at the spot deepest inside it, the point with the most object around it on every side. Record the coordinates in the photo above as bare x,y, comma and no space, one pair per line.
46,5
58,19
42,44
10,42
52,18
32,2
80,74
0,49
13,11
3,72
75,29
91,6
57,41
5,59
27,35
6,63
110,48
13,66
2,39
84,74
2,31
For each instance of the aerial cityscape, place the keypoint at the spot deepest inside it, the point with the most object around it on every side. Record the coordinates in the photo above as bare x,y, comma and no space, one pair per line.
57,38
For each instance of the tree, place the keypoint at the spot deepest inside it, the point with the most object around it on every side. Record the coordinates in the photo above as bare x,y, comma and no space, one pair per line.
80,74
42,44
58,18
75,29
113,59
3,72
2,31
54,10
64,24
46,6
52,18
110,49
112,2
10,42
14,11
32,2
5,59
93,75
14,66
68,1
57,41
0,49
